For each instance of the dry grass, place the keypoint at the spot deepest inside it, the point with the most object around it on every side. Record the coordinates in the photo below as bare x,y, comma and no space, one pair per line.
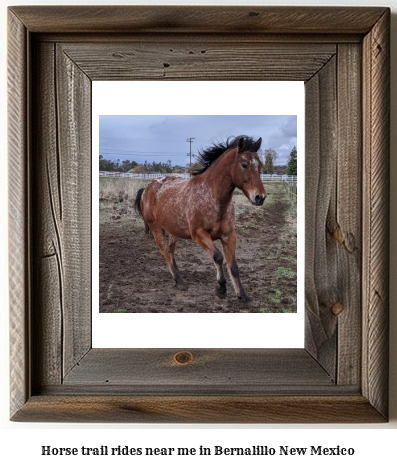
114,188
117,196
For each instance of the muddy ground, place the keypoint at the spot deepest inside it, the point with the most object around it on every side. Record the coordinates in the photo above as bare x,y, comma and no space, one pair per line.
133,276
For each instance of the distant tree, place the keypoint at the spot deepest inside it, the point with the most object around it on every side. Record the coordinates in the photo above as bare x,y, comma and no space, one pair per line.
168,167
292,167
106,165
139,169
270,157
127,165
178,169
191,168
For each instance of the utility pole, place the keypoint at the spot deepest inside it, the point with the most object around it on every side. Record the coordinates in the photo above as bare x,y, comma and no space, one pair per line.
190,140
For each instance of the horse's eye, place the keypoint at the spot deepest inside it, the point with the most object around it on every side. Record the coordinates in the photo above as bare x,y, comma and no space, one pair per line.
244,165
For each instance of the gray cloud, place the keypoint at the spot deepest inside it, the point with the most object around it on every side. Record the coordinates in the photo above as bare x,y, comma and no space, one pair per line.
162,138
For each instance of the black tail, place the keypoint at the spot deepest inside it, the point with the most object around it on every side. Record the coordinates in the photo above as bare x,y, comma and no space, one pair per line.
137,206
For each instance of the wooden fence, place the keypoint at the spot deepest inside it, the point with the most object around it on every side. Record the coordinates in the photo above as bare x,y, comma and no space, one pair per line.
150,176
292,189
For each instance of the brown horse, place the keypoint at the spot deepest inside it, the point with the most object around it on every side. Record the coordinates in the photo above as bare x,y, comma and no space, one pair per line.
201,208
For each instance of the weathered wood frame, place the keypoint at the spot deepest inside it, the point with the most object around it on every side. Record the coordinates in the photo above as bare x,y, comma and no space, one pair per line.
343,56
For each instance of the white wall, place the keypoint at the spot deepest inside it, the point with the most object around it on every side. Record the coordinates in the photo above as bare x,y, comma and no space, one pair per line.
373,444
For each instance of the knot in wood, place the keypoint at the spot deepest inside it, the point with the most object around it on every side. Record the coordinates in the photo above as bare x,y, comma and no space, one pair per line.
183,358
338,235
337,308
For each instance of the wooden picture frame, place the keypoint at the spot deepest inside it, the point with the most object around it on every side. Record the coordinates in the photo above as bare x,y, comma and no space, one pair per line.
342,54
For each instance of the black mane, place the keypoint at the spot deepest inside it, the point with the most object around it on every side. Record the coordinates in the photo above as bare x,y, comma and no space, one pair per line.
208,156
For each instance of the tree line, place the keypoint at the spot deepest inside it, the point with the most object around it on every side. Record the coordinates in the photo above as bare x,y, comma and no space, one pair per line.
106,165
269,167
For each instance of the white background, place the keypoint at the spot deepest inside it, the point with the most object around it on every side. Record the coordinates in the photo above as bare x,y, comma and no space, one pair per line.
220,330
20,443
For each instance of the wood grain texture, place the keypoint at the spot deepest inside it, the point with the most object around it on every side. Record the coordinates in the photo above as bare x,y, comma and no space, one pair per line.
376,92
333,215
63,222
195,39
47,201
227,369
198,19
74,178
321,277
223,59
346,229
338,377
19,225
199,409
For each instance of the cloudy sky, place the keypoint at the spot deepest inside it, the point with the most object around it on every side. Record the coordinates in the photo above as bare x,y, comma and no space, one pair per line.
161,138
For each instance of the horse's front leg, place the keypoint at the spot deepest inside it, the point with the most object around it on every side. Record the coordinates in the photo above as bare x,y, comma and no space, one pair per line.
229,249
202,238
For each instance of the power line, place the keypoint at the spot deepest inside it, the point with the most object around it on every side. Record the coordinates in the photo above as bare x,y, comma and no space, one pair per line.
146,156
126,152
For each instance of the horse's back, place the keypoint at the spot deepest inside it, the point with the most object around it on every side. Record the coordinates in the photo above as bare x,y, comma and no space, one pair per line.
163,203
169,187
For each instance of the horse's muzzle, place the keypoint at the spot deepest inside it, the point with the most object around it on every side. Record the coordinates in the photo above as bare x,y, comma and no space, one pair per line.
259,200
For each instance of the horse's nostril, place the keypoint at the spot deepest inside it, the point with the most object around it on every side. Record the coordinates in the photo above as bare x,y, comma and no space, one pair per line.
259,199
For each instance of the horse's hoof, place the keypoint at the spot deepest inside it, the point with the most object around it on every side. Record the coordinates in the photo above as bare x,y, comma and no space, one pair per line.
245,299
220,292
182,286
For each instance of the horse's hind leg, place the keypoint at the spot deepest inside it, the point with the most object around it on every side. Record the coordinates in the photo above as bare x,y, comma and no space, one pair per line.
167,249
171,246
202,238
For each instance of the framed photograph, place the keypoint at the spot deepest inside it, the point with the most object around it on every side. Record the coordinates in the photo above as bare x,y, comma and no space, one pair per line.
133,290
340,374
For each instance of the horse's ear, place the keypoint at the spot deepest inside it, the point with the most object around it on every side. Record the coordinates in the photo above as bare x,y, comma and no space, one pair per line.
241,145
257,145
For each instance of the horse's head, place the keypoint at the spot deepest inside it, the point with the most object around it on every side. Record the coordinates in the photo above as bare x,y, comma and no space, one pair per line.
246,171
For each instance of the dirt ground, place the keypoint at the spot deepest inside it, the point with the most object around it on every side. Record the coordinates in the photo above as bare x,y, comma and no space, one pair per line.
133,276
